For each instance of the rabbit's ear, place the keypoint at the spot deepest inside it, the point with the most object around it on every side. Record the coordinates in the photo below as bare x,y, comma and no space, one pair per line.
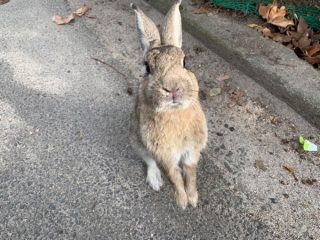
148,32
172,29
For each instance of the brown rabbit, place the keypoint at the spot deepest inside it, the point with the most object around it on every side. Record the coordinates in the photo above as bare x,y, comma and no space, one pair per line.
168,127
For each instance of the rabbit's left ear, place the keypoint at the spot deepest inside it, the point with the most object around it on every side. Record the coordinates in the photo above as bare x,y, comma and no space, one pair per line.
172,29
148,32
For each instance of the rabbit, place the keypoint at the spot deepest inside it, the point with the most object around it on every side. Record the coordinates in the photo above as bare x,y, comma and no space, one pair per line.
168,127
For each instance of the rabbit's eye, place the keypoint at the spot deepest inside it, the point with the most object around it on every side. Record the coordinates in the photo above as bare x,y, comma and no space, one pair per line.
166,90
147,67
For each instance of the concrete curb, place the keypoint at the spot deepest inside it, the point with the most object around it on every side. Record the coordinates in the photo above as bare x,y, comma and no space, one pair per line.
272,65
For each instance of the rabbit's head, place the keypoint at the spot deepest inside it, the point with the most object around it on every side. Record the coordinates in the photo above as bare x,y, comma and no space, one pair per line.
168,85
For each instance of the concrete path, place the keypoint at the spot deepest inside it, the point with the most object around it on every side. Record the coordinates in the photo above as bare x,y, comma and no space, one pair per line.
67,170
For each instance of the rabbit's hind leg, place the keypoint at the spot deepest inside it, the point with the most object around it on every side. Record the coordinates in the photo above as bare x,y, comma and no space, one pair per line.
189,168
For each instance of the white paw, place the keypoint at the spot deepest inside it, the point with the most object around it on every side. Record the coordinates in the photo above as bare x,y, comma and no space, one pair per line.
154,178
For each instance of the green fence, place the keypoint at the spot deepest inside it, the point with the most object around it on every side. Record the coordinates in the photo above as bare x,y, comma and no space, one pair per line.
310,13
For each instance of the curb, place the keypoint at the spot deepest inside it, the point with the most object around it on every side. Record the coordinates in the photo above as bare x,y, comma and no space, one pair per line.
273,66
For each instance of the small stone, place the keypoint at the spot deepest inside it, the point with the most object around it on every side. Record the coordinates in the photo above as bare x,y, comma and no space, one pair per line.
219,134
273,200
229,154
231,129
286,195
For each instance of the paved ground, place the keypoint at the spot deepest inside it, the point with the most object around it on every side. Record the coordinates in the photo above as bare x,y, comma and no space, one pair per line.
68,172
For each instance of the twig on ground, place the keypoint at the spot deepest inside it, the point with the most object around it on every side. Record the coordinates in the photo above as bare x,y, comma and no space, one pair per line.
109,65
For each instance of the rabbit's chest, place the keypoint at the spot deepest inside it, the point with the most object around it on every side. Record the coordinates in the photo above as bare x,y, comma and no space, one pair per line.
167,134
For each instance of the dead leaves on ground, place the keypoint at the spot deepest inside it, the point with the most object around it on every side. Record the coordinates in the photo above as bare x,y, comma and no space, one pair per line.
237,96
300,38
202,10
62,20
275,15
4,1
82,11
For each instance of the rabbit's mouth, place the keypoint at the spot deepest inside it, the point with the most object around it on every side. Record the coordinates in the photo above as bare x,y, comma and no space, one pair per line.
177,104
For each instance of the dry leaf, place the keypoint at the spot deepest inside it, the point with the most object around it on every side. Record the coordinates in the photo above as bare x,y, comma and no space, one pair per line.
82,11
275,120
61,20
278,37
129,90
236,95
201,10
312,60
198,50
4,1
215,92
255,26
313,50
284,141
302,29
274,15
223,77
266,32
289,169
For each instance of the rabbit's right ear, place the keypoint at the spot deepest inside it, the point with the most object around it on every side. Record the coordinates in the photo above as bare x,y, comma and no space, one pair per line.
148,32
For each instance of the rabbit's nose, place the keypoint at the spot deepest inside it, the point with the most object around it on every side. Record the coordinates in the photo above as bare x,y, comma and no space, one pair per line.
175,94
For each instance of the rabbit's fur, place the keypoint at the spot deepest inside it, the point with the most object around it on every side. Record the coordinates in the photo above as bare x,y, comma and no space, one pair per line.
168,127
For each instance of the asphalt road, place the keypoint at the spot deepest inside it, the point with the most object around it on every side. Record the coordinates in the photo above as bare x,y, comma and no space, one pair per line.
67,170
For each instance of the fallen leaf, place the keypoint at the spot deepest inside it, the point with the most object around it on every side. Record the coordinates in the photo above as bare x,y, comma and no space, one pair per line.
284,141
255,26
82,11
198,50
129,90
312,60
292,126
201,10
275,15
315,37
302,29
278,37
259,164
61,20
237,95
302,26
264,11
214,92
310,51
4,1
266,32
275,120
223,77
289,169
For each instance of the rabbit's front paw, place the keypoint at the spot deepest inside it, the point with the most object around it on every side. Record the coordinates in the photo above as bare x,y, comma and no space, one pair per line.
154,178
182,199
193,198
